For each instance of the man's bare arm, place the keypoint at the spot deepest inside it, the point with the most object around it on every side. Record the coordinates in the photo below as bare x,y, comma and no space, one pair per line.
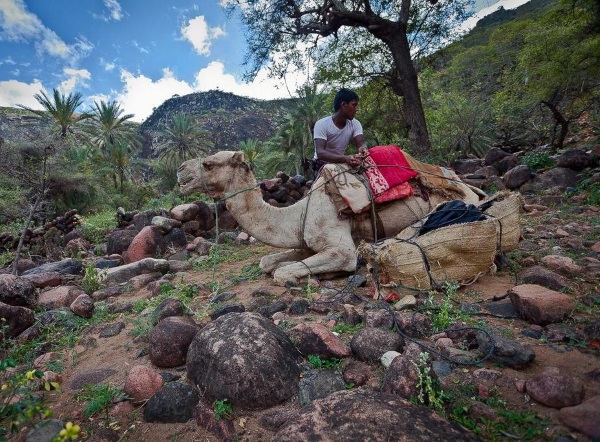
332,157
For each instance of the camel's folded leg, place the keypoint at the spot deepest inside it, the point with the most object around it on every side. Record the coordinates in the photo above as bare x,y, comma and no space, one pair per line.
332,260
271,262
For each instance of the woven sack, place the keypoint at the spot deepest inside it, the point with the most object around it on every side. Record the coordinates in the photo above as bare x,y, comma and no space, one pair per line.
506,210
458,253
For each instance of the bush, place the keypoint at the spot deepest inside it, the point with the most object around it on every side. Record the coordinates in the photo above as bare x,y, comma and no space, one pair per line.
538,161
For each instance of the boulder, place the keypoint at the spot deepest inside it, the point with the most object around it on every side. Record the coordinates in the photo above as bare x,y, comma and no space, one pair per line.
142,383
118,275
555,390
17,318
361,415
245,358
170,339
540,305
17,291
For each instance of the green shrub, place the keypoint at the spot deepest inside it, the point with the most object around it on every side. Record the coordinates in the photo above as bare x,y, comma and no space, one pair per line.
538,161
95,227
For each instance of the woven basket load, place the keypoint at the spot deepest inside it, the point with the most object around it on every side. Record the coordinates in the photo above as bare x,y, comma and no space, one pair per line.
458,253
506,210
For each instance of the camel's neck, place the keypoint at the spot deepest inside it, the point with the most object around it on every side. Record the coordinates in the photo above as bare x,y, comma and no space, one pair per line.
275,226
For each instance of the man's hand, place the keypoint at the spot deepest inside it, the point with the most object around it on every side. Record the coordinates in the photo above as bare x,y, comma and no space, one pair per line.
353,161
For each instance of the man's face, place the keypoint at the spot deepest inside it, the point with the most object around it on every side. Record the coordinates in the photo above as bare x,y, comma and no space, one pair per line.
349,108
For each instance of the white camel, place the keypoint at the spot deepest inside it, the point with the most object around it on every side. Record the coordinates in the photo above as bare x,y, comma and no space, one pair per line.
318,241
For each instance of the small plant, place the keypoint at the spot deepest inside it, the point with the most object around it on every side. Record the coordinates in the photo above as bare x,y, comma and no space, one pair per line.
98,398
223,409
538,161
444,313
92,278
347,328
20,403
317,362
70,432
430,393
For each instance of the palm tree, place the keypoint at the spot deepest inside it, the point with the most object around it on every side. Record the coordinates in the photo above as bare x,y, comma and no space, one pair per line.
112,126
185,140
250,149
119,155
61,108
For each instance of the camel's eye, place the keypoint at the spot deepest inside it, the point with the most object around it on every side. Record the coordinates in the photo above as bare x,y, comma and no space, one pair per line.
207,165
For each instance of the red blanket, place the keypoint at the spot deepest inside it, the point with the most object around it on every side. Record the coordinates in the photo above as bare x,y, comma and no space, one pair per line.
388,173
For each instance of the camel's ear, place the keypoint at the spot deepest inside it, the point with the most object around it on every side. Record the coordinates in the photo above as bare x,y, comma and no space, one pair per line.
238,160
238,157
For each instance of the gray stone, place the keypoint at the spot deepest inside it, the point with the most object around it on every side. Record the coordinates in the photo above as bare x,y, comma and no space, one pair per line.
317,384
175,402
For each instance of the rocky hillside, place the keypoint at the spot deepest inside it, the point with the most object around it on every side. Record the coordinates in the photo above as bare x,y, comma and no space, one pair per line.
229,118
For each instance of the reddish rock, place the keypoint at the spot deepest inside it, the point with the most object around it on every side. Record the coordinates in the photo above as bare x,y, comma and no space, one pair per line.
83,306
17,318
146,244
43,280
562,264
62,296
357,373
314,338
142,383
185,212
540,305
169,341
584,417
555,390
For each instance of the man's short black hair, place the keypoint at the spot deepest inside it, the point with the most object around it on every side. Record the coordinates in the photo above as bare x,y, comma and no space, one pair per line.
342,95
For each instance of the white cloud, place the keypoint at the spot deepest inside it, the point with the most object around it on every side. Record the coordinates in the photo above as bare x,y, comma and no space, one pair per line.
14,93
214,77
108,66
17,23
141,94
74,78
140,48
114,9
200,35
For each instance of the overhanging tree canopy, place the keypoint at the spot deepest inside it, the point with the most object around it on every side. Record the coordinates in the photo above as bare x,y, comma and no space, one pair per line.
280,31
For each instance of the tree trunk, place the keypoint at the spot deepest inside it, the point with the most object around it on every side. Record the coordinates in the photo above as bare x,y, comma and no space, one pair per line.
407,86
560,121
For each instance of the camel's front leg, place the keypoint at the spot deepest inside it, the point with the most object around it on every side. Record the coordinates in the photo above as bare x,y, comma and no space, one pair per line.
271,262
330,260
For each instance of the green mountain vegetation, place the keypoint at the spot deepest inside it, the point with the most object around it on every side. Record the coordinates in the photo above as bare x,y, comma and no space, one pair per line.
520,79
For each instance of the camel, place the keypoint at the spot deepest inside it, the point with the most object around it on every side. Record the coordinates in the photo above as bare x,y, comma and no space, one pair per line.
318,242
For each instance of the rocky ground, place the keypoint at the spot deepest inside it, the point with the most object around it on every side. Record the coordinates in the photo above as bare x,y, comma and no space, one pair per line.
211,349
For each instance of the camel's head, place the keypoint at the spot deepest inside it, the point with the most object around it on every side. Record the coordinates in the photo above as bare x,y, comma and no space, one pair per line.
211,175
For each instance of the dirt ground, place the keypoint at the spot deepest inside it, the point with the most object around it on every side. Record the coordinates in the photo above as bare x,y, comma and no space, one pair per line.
121,352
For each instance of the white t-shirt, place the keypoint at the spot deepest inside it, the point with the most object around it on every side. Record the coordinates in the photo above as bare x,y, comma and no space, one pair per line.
337,139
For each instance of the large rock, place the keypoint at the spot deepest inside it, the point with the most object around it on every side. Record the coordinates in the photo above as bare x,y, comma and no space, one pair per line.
18,291
17,318
540,305
175,402
575,159
558,178
170,339
62,296
555,390
118,275
369,344
146,244
584,417
542,276
314,338
402,375
245,358
68,266
505,351
517,176
142,383
365,416
185,212
119,241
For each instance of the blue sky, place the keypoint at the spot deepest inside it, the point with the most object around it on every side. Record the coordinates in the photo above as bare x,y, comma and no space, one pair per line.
138,52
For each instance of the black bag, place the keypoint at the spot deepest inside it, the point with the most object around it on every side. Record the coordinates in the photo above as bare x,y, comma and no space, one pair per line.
452,212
